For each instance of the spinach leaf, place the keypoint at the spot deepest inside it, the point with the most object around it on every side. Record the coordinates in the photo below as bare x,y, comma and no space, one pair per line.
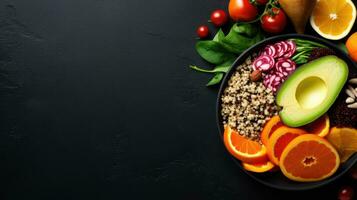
241,37
213,52
224,67
246,29
216,79
216,69
219,36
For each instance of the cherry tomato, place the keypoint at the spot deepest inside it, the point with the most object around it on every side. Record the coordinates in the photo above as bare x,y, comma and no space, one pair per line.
274,22
345,193
261,2
219,17
202,32
242,10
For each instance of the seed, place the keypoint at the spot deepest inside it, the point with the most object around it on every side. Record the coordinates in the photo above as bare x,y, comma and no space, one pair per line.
353,81
349,93
350,100
352,90
354,105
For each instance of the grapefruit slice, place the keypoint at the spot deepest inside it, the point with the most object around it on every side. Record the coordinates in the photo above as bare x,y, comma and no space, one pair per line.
309,158
279,140
333,19
259,167
269,128
320,127
242,148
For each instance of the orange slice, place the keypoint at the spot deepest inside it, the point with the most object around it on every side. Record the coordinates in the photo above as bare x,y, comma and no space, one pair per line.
259,167
351,45
242,148
279,140
333,19
269,128
309,158
320,127
344,140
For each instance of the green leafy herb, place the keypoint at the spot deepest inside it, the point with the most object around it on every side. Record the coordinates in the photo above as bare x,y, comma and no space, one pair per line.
213,52
216,79
304,48
219,36
224,49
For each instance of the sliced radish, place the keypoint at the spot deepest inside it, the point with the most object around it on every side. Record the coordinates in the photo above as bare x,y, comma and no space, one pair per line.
264,63
292,49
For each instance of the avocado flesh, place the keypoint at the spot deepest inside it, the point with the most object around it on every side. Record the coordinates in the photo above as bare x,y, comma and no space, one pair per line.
311,90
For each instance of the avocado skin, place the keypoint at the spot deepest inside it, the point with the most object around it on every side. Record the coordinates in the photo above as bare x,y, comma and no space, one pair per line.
290,87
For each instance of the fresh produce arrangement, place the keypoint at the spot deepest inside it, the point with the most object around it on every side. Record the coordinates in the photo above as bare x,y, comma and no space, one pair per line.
291,106
280,120
256,19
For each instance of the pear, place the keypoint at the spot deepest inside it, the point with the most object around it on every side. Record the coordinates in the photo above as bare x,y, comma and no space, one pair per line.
298,11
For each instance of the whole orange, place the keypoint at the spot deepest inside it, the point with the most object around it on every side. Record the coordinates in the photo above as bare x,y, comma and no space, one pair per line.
351,45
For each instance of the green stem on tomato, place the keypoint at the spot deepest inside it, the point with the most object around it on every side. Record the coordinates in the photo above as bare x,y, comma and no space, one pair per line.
271,4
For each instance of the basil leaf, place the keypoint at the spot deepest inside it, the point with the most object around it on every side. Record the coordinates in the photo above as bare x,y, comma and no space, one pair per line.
216,79
213,52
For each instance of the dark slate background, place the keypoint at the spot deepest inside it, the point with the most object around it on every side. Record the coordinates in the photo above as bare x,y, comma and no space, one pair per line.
97,102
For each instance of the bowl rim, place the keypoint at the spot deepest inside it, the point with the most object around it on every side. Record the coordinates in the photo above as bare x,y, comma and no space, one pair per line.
240,59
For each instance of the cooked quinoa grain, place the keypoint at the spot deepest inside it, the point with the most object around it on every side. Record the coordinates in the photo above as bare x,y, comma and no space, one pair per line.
247,105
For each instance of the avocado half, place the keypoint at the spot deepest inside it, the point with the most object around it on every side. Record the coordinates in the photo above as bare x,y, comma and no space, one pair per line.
311,90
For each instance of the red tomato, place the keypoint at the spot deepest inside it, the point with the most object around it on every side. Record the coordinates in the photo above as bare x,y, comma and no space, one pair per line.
219,17
275,22
202,31
242,10
262,2
346,193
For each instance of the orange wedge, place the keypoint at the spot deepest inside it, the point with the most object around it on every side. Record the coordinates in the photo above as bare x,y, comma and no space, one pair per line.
333,19
242,148
259,167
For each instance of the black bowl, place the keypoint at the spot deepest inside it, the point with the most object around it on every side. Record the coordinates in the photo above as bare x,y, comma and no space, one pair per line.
277,179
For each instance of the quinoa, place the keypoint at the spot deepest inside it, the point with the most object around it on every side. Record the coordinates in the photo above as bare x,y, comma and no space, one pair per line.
247,105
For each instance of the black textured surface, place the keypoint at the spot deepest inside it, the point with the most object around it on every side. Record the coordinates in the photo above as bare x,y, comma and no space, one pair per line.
97,102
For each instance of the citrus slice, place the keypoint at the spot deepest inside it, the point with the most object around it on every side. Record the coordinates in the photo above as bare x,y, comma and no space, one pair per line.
259,167
279,140
351,45
333,19
344,140
269,128
309,158
320,127
242,148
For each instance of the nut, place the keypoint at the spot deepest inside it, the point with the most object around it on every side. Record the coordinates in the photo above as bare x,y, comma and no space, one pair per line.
350,100
354,106
256,75
350,93
353,81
